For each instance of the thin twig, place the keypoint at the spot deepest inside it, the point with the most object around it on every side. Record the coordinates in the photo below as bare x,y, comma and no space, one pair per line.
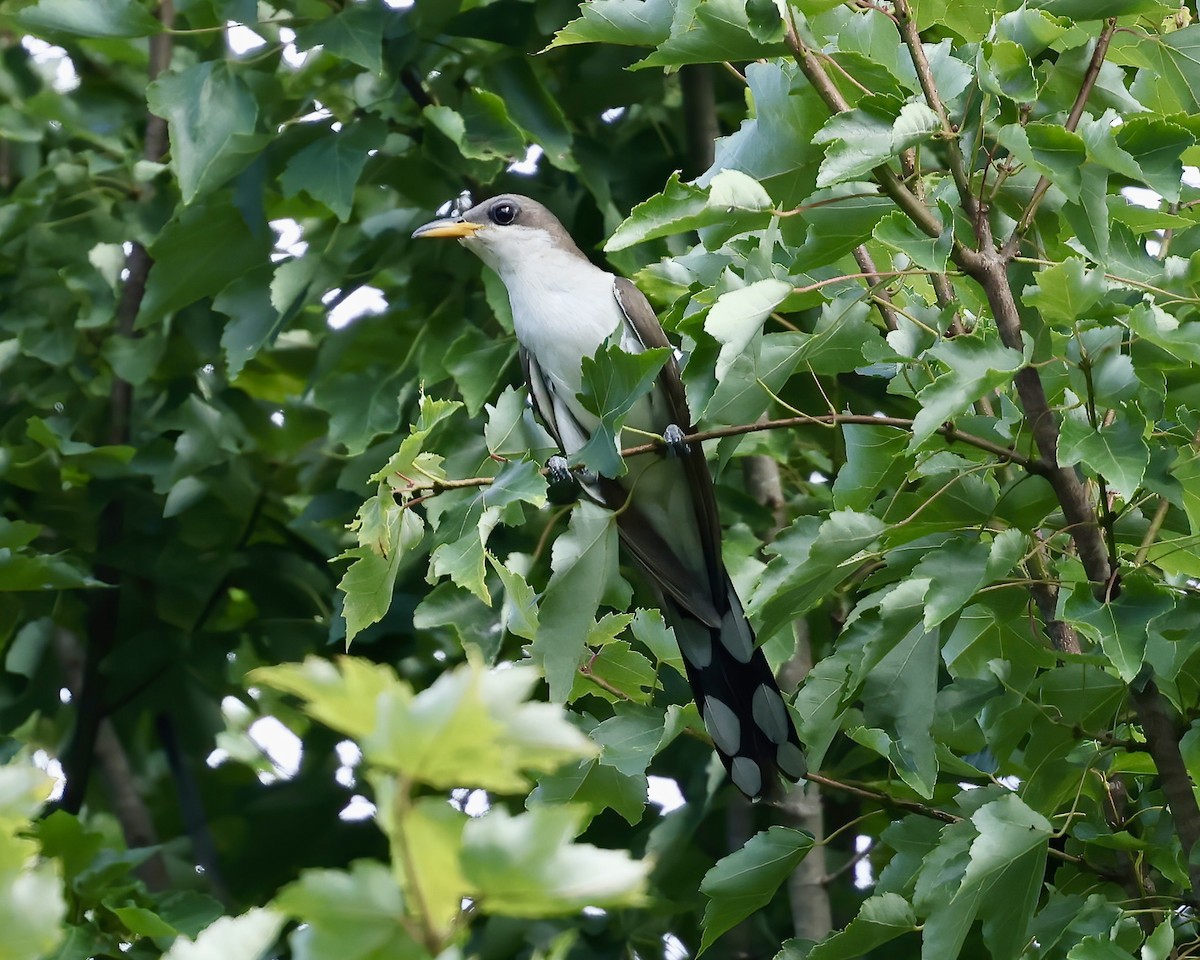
883,300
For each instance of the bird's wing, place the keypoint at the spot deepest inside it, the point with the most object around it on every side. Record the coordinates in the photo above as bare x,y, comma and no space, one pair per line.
645,327
638,533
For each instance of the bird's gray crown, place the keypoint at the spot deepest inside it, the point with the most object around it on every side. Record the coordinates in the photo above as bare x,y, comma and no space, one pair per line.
515,210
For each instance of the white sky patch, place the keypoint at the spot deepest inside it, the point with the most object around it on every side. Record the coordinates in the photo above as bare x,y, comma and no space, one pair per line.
290,241
399,4
278,418
318,113
474,803
864,872
673,948
665,793
64,695
1141,197
1191,176
594,912
528,167
55,65
350,757
359,808
613,114
241,39
44,761
292,56
363,302
817,477
282,747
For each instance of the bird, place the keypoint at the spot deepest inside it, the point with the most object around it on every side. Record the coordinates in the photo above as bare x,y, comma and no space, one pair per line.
564,307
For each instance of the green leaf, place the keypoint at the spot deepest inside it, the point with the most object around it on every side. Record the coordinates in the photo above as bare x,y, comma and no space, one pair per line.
955,570
1004,874
630,739
481,128
520,615
1004,69
616,672
511,430
638,23
197,255
746,880
387,534
1052,151
212,115
343,696
1174,59
779,137
738,315
1097,9
977,365
837,219
426,838
357,914
874,459
717,31
1157,146
1151,322
1066,292
527,866
871,135
734,201
930,253
464,530
1120,625
89,18
355,33
811,557
651,630
583,559
613,382
881,919
328,168
246,937
1117,452
900,670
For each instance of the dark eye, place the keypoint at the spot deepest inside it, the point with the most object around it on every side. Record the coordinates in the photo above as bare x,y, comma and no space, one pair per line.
503,213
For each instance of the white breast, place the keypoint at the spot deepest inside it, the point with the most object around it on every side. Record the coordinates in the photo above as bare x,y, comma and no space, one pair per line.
563,309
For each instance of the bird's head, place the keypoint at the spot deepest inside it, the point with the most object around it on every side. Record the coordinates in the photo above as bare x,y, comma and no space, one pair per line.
505,232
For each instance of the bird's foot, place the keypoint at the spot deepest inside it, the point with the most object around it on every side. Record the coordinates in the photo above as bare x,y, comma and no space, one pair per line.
675,441
563,483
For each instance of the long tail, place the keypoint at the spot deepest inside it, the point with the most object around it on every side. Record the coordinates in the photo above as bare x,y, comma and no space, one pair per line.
738,697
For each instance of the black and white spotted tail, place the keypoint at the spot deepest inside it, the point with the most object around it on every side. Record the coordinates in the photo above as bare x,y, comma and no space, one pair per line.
738,697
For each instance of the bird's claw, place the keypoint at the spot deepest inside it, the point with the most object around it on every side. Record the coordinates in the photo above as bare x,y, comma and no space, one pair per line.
675,441
562,483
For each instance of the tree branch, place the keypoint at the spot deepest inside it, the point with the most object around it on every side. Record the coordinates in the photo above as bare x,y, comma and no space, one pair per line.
104,605
946,430
883,300
916,51
1163,741
1085,90
905,199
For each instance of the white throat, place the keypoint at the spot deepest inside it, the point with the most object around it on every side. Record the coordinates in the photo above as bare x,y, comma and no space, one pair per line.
563,306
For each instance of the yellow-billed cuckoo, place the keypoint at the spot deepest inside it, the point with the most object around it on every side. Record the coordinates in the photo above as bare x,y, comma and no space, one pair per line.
564,307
